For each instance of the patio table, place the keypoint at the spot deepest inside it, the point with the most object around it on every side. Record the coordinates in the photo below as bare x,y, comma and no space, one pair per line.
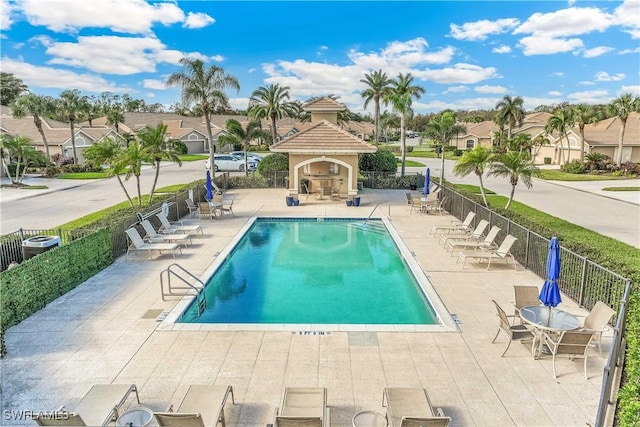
550,319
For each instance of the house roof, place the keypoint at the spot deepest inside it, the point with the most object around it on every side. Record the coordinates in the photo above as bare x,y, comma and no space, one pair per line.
323,138
324,104
480,130
607,132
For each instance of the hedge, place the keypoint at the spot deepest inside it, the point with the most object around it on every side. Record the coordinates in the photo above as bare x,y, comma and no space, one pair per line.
31,285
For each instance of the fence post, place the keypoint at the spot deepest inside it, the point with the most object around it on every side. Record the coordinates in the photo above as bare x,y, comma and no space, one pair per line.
526,252
583,281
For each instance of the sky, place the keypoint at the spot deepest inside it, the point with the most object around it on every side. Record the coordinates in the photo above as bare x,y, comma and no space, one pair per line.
465,54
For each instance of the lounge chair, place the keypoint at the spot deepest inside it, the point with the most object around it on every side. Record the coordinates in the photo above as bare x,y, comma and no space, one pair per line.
573,344
137,244
303,407
169,228
476,234
474,243
512,332
411,407
455,226
597,321
98,407
155,237
203,405
193,208
503,252
205,210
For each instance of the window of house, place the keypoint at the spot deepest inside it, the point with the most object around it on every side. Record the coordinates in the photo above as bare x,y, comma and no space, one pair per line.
333,168
470,144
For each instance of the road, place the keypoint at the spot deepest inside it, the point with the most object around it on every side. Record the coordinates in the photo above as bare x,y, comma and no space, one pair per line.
582,203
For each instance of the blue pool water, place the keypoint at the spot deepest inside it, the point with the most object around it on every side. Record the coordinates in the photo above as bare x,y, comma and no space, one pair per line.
305,271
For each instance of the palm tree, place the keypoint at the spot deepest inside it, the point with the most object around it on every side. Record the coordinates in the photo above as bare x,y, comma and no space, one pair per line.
400,96
510,113
561,122
584,114
37,106
115,116
441,129
475,161
621,107
22,150
515,165
157,146
204,86
130,160
107,151
236,134
71,105
272,102
378,86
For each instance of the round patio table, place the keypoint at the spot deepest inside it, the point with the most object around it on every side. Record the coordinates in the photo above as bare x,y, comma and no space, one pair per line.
551,319
136,417
369,419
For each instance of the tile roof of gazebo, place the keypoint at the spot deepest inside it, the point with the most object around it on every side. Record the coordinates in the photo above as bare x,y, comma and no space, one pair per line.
323,138
324,104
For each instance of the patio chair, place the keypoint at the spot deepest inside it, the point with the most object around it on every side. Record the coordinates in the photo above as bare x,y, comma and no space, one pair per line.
502,253
512,332
456,226
474,243
155,237
411,407
572,344
525,296
227,206
137,244
205,210
303,407
203,405
437,206
475,235
409,197
169,228
597,321
193,208
98,407
216,189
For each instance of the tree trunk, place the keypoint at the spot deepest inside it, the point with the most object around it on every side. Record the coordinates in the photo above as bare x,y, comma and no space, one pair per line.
155,180
38,123
582,142
73,142
138,187
513,190
207,121
126,193
484,197
621,142
402,144
274,132
566,135
376,119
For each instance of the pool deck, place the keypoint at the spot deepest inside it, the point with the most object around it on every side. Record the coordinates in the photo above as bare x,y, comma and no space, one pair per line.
107,331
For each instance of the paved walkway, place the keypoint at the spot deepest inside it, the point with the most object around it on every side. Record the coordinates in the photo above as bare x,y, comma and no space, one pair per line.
105,332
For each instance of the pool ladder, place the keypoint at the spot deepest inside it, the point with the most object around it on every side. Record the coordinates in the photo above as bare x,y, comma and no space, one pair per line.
193,284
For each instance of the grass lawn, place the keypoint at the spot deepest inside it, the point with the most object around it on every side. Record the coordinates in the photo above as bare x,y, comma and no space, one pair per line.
193,157
621,189
556,175
474,189
84,175
410,163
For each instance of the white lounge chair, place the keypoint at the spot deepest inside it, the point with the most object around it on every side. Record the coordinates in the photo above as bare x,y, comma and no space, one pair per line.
99,407
503,252
169,228
303,406
137,244
155,237
476,234
411,407
203,405
455,226
475,243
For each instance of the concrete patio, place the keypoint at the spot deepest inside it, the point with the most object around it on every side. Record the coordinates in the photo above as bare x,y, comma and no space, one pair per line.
105,331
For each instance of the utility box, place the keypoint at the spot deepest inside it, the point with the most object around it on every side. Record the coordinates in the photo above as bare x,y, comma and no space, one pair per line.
38,244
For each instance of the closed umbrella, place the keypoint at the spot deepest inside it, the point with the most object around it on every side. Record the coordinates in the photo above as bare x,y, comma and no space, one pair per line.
427,178
209,187
550,293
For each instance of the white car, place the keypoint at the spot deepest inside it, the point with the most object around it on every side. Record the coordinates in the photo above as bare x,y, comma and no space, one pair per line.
227,162
251,156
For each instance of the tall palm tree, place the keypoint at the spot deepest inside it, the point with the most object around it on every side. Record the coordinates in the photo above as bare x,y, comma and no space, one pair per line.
378,86
561,122
584,114
115,116
107,151
236,134
441,129
204,86
71,106
621,107
130,160
510,113
272,102
401,96
517,166
157,146
37,106
475,161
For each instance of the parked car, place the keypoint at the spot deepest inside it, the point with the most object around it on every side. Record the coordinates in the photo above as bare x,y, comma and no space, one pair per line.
250,156
227,162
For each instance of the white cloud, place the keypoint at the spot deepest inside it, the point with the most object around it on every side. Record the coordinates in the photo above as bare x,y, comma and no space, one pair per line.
603,76
630,89
217,58
126,16
456,89
239,103
459,73
554,93
627,15
6,19
47,77
586,83
401,56
491,89
599,96
251,70
154,84
628,51
197,20
558,74
566,22
596,51
501,49
544,45
479,30
150,95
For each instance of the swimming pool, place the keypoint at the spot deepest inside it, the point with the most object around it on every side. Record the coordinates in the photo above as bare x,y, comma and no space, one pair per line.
334,274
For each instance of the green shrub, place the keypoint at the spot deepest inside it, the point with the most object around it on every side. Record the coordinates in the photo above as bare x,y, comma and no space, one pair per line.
382,160
13,166
574,166
251,181
409,148
457,152
276,162
52,171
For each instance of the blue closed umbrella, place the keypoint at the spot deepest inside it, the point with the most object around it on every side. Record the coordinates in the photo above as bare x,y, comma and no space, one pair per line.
427,178
209,187
550,293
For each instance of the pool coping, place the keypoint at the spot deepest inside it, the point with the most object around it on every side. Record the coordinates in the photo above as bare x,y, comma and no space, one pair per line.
446,321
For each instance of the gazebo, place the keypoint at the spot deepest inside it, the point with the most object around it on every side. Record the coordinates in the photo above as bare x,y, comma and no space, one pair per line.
323,159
